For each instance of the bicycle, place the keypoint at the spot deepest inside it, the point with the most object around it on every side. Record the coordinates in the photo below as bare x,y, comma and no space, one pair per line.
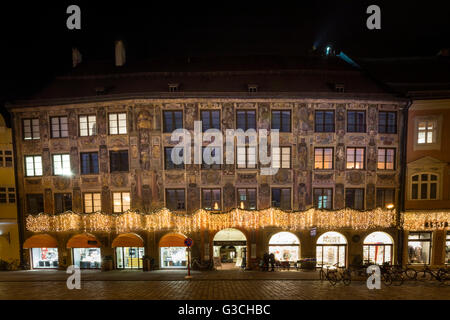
428,274
334,275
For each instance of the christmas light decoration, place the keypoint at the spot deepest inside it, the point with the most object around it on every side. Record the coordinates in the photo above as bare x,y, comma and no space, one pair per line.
426,220
163,219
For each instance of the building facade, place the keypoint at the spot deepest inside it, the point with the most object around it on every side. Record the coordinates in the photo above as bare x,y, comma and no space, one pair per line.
427,197
9,232
96,180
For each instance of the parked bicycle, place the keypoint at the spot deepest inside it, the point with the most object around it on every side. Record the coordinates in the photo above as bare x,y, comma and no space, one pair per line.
427,274
335,274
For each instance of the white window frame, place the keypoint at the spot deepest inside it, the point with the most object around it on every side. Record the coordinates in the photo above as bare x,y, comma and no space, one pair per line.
120,199
281,157
117,123
32,129
36,166
61,164
428,182
59,131
244,156
88,127
89,202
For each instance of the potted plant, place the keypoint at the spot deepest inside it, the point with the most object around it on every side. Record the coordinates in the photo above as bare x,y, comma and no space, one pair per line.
146,263
107,264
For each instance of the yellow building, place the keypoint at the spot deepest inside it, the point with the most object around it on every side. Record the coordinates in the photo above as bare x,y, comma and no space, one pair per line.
9,235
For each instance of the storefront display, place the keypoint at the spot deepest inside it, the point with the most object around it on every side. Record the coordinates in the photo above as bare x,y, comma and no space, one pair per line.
129,257
174,257
44,258
377,248
229,247
285,246
419,247
87,258
331,249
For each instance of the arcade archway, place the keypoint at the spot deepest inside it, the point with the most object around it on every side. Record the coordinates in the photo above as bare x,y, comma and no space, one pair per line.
229,248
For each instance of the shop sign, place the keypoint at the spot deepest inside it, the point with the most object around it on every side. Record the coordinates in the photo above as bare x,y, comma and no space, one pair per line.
435,224
331,240
230,243
93,242
313,232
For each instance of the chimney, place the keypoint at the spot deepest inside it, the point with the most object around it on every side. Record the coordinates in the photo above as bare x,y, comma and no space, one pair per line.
76,57
120,53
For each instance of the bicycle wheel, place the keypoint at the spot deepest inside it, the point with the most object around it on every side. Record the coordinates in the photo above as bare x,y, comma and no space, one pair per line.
423,276
387,279
443,276
332,278
397,279
346,277
410,273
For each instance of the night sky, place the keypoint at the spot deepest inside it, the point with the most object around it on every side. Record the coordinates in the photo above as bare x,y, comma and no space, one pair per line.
38,44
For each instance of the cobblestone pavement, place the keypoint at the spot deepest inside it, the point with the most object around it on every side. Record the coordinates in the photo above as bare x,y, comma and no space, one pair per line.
248,289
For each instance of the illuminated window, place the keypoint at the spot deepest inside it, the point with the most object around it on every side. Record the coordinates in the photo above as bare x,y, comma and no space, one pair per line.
211,199
121,201
323,198
281,157
424,186
426,132
323,158
355,158
118,123
419,247
246,157
247,198
88,125
377,248
59,127
33,166
61,165
31,129
386,159
92,202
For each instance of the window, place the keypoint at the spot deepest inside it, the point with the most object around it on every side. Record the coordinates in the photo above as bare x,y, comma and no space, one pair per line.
33,166
175,199
252,88
6,158
88,125
211,199
35,203
377,248
355,158
424,187
323,198
168,163
281,120
246,157
247,199
323,158
281,157
419,247
324,121
118,123
121,201
386,159
210,119
63,202
11,195
92,202
356,121
61,165
172,120
173,87
118,161
387,122
426,132
89,163
213,164
246,119
281,198
60,127
385,197
3,195
44,258
354,199
31,129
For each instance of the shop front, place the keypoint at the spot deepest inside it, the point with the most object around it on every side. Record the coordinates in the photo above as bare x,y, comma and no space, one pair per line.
331,249
285,246
129,249
447,248
173,252
86,252
419,247
43,251
229,248
378,248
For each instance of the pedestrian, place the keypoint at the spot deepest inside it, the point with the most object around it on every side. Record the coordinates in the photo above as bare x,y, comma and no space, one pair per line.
272,261
266,262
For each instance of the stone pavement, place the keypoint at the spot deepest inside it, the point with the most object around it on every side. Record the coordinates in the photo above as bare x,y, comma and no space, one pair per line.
221,285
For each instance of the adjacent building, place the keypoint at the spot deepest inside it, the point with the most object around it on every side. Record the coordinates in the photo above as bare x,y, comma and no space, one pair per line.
96,180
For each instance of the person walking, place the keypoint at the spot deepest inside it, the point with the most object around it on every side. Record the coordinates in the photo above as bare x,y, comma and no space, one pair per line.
272,261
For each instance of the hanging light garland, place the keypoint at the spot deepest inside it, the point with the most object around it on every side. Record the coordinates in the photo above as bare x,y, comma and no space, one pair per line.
163,219
426,220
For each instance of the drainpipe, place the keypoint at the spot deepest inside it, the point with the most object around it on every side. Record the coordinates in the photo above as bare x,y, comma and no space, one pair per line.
20,220
401,208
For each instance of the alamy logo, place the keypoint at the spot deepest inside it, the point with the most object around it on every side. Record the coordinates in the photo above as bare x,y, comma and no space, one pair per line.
251,146
74,281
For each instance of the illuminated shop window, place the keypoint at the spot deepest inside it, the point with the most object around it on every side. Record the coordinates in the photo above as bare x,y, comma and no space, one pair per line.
377,248
44,258
285,246
129,257
419,247
331,249
87,258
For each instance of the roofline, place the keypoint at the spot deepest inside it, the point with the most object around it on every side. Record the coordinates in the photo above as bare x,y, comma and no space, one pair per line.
245,96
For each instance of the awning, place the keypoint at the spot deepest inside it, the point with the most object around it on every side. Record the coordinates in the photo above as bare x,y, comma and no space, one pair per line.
83,241
172,240
128,240
40,241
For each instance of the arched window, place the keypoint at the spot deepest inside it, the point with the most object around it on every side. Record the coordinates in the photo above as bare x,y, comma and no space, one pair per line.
377,248
285,246
424,186
331,249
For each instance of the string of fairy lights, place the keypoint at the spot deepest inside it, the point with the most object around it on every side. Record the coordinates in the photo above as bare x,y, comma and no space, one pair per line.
426,220
164,219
